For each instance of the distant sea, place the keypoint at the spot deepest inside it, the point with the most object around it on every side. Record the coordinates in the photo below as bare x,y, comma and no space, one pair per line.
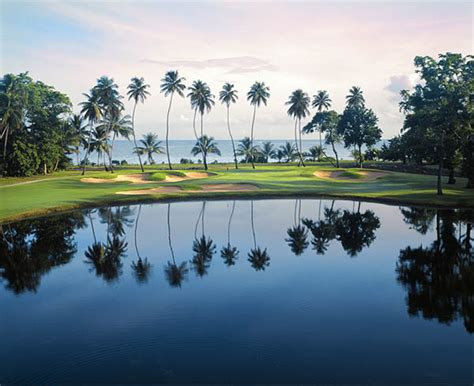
123,150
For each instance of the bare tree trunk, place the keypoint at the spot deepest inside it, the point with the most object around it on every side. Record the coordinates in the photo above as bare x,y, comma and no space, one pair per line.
335,153
231,138
251,135
134,136
168,131
451,179
360,157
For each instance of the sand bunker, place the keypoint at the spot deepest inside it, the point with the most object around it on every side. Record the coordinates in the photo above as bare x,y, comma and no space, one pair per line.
133,178
188,175
339,175
215,188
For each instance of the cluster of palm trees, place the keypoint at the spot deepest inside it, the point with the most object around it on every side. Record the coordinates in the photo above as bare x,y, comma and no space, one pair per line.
104,111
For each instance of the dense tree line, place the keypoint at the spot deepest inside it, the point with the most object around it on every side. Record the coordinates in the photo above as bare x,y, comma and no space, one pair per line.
439,114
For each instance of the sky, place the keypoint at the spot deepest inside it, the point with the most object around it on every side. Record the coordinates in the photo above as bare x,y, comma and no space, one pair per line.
311,45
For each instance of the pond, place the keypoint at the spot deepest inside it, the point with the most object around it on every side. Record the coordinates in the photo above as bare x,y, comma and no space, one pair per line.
265,291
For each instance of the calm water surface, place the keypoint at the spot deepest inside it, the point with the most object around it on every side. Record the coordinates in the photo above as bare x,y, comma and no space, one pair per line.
270,291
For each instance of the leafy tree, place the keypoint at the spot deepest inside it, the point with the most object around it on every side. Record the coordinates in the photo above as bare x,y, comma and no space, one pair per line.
258,94
205,145
172,83
299,102
228,95
137,90
149,146
358,126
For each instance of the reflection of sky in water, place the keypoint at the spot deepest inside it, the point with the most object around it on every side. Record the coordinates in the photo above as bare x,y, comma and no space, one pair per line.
306,318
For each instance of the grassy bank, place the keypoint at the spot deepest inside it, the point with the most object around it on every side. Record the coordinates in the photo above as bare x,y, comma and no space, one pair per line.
24,197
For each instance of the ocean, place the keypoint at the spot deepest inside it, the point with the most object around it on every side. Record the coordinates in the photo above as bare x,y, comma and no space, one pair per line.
123,150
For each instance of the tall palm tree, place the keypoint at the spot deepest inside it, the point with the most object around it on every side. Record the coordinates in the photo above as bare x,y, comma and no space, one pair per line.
229,253
11,98
355,97
111,102
258,94
205,145
299,103
92,111
172,83
150,146
174,273
321,101
120,126
137,90
298,234
228,95
203,247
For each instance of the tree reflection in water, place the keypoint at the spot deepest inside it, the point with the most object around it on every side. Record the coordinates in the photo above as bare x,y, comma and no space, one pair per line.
297,234
229,253
30,249
439,278
106,259
203,247
175,273
141,268
258,258
354,230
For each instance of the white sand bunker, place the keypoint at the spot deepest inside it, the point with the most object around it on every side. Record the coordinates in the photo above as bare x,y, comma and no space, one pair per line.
368,175
187,176
215,188
133,178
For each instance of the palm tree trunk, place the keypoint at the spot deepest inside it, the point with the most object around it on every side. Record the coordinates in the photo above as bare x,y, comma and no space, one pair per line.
335,153
253,226
231,138
360,156
134,136
136,229
87,150
169,235
92,227
440,173
296,141
5,144
168,131
251,134
228,224
301,144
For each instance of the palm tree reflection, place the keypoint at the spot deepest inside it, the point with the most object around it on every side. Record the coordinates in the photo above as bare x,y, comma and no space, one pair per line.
258,258
141,268
229,253
203,247
323,231
297,234
175,273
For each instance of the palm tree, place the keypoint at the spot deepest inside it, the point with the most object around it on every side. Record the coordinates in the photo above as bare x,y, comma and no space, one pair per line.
172,83
299,103
110,101
355,97
137,89
203,248
315,153
12,100
228,95
229,253
92,111
99,144
120,126
268,151
150,146
321,101
258,94
258,258
298,234
288,151
247,150
205,145
174,273
79,133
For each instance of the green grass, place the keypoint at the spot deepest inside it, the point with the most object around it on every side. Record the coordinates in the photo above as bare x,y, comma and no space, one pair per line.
24,197
351,174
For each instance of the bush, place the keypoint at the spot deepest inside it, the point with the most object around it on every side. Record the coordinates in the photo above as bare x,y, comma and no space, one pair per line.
24,160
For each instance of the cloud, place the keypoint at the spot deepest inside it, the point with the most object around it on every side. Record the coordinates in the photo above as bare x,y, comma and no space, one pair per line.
237,64
397,84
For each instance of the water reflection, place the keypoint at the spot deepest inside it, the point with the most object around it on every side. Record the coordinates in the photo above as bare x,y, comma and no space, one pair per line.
437,276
